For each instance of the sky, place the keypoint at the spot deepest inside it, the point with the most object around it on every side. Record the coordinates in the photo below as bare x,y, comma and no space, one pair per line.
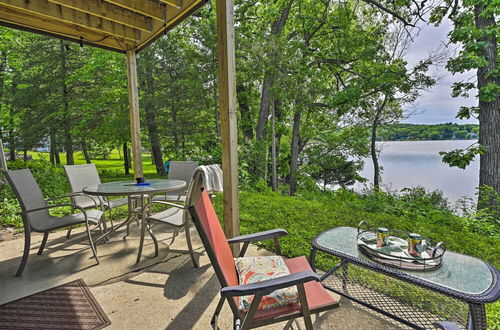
437,106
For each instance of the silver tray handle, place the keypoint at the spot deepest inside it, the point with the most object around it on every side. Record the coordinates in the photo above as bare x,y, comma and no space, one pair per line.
361,224
436,248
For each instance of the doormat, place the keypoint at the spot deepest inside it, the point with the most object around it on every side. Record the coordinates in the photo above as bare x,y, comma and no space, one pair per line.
68,306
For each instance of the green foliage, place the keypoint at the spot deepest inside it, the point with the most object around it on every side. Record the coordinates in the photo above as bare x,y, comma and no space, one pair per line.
51,178
461,158
484,220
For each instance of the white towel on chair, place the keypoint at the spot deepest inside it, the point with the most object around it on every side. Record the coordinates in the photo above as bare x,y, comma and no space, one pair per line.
212,177
217,185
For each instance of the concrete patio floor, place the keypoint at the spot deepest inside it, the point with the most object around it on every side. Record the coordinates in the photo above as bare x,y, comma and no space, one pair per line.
165,292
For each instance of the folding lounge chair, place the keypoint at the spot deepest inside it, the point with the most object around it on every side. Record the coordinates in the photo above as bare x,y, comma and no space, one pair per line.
81,176
313,298
36,217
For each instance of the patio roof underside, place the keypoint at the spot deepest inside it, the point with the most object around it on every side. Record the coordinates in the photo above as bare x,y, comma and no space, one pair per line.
117,25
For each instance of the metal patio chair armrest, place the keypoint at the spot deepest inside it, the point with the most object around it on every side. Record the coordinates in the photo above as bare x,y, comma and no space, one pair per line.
274,234
50,207
260,236
169,204
96,204
268,286
182,207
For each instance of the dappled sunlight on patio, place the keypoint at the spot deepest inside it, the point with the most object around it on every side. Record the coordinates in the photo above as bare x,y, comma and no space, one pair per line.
165,292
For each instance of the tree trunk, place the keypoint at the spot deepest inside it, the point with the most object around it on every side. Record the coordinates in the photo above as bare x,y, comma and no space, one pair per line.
53,148
278,114
265,105
68,142
274,179
295,151
12,112
3,65
150,109
12,146
129,158
489,113
25,155
245,113
373,144
86,153
126,163
265,101
174,131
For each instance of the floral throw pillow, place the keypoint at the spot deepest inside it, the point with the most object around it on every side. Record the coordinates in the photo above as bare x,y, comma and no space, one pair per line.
257,269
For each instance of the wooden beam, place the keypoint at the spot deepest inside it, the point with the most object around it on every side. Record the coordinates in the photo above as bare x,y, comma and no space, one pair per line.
228,117
173,17
135,126
109,11
46,9
145,7
174,3
49,26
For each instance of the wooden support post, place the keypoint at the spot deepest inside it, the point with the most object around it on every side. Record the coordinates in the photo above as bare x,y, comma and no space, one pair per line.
135,125
228,117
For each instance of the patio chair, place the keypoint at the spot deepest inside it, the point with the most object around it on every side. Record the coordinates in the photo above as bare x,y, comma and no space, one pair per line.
179,170
178,215
36,216
81,176
313,298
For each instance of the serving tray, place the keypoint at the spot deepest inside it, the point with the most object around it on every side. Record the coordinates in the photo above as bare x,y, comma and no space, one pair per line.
395,254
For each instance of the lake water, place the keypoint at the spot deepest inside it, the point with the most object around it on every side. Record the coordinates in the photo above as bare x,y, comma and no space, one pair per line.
418,163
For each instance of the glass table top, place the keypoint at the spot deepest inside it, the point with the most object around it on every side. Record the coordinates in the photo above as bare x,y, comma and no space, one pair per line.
123,188
458,272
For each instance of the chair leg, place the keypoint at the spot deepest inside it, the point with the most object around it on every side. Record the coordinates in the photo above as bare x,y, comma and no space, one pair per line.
128,229
44,241
247,322
174,235
306,313
26,252
155,240
190,246
141,242
111,219
215,317
91,242
68,234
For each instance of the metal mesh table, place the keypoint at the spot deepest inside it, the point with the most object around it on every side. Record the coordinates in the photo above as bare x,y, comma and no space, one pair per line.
457,291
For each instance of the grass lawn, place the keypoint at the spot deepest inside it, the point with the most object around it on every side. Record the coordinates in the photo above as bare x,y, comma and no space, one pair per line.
110,168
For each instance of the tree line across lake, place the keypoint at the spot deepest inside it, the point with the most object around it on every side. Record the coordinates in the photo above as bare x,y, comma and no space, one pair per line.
417,132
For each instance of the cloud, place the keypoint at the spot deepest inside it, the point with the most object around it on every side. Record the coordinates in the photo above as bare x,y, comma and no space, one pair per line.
437,105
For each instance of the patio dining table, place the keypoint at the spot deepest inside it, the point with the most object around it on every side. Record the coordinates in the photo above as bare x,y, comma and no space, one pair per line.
457,291
139,193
